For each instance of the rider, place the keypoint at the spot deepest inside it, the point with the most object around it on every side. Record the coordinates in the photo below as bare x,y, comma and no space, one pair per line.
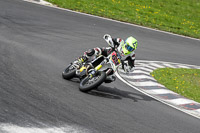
126,50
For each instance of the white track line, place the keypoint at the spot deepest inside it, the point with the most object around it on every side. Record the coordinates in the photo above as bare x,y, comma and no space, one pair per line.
180,101
160,91
42,3
139,71
147,83
181,66
198,110
10,128
141,77
146,61
169,65
146,69
152,93
156,65
162,101
135,71
150,67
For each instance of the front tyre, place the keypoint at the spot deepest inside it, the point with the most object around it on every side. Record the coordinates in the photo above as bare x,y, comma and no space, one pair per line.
88,83
69,72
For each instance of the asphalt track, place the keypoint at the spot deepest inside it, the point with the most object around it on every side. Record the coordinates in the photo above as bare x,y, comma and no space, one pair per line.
37,42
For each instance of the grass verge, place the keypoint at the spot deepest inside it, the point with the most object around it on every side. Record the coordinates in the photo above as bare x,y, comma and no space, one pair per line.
177,16
185,82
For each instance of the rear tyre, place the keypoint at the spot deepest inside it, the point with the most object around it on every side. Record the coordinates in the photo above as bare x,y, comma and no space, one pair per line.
69,72
88,83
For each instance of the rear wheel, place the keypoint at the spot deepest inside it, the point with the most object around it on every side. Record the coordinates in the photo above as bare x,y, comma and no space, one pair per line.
69,72
88,83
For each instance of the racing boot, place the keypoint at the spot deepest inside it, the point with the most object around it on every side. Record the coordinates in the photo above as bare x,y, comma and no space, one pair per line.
80,61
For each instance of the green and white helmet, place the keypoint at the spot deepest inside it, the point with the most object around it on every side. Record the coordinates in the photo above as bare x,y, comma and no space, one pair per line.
129,46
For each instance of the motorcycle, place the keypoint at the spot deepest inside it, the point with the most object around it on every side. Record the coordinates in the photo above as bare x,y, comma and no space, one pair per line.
93,73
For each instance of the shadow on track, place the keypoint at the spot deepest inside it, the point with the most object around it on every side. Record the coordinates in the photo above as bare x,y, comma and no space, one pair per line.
114,93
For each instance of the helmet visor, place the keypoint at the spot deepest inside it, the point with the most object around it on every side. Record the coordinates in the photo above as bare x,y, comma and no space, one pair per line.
129,48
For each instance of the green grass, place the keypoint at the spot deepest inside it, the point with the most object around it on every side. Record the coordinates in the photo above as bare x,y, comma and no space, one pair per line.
183,81
177,16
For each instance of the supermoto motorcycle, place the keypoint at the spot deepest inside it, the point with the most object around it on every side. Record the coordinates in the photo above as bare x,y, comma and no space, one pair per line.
93,73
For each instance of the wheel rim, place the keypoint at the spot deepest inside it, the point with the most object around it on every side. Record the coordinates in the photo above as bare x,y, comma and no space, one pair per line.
92,80
70,69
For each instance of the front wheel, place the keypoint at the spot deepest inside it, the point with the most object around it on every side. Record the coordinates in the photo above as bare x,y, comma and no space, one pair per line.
88,83
69,72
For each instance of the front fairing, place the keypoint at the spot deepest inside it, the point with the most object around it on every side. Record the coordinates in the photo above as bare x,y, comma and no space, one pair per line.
115,60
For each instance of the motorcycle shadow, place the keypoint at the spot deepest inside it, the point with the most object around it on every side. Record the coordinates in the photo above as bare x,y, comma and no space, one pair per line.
114,93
